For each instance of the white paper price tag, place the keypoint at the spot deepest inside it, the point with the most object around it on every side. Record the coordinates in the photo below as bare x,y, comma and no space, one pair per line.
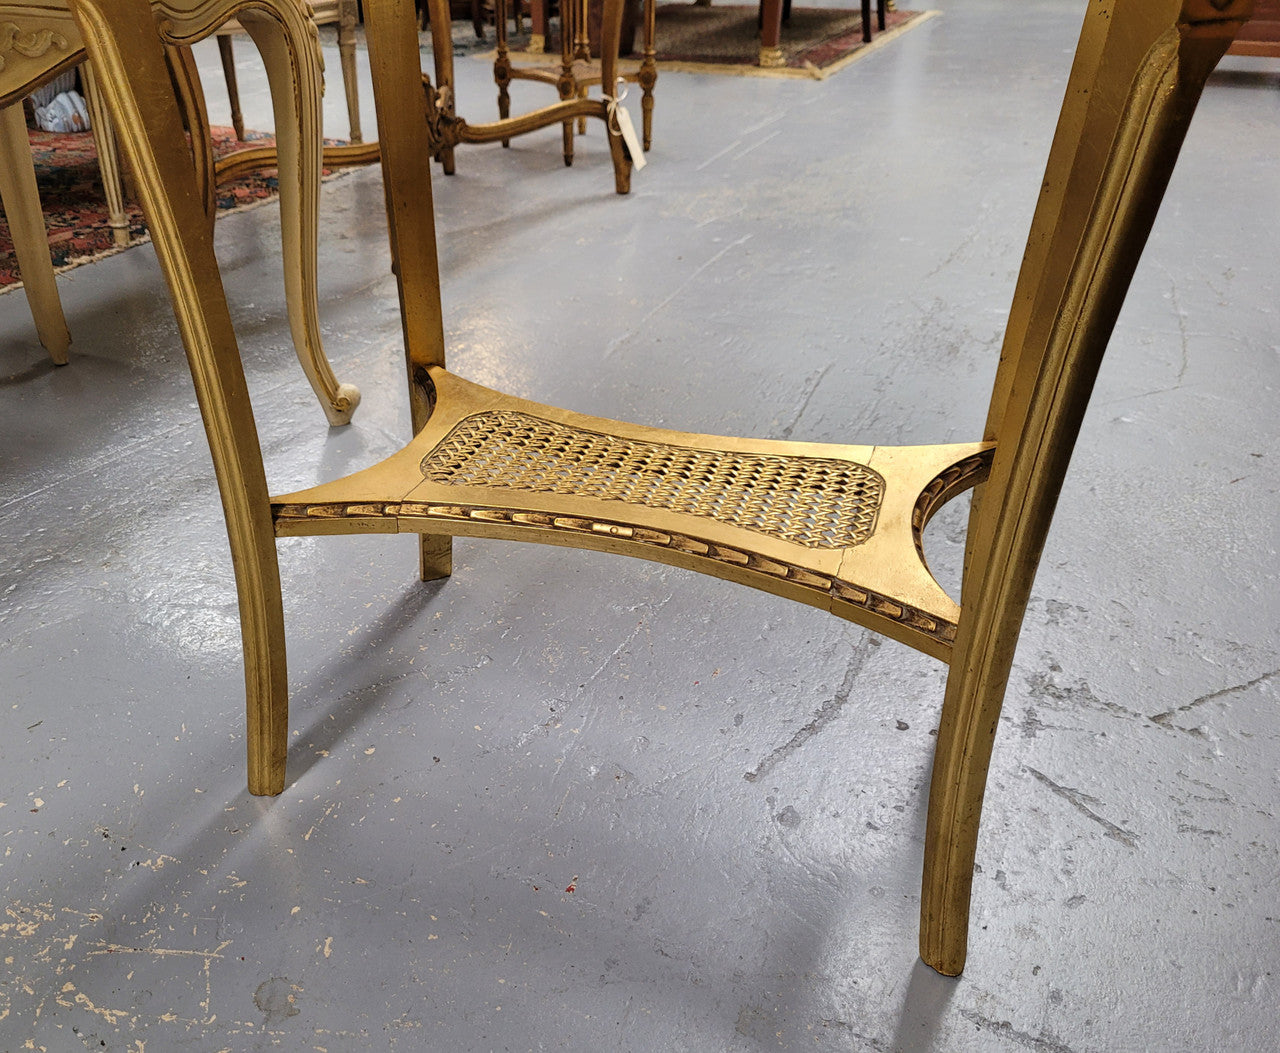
632,140
619,116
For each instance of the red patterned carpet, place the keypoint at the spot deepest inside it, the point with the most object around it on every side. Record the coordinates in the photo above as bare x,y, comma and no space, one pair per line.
74,208
725,39
814,40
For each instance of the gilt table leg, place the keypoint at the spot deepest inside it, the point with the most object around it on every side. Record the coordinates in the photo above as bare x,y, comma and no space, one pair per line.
347,60
298,143
21,199
648,75
502,62
104,139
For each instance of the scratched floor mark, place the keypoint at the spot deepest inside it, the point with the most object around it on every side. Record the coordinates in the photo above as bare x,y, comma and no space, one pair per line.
1080,801
43,946
1165,719
1039,1043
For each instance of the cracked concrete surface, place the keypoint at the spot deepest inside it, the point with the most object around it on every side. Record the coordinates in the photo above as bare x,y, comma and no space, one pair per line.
516,815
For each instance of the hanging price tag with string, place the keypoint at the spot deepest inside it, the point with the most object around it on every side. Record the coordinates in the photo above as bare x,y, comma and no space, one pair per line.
620,124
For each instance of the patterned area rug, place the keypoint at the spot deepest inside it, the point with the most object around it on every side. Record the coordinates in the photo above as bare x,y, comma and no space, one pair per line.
75,212
816,42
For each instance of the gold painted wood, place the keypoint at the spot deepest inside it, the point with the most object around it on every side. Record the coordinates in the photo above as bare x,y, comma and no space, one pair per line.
255,158
294,67
37,43
20,197
104,141
42,40
185,77
290,51
340,13
356,152
448,130
135,83
1134,86
577,71
405,116
835,526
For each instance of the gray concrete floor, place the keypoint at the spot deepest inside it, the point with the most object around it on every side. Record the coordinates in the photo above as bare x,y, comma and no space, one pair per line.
567,801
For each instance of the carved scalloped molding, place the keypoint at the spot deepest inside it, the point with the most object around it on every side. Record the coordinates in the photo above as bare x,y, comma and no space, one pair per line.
32,44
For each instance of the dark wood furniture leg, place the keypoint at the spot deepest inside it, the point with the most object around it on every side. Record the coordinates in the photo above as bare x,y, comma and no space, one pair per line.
771,33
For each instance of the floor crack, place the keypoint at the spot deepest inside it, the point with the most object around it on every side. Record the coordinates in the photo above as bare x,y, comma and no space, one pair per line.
804,403
826,713
1041,1043
1077,800
1167,716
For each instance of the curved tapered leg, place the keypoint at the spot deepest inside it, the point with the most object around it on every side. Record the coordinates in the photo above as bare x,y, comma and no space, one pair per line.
151,135
186,81
975,693
21,199
299,144
1096,210
253,550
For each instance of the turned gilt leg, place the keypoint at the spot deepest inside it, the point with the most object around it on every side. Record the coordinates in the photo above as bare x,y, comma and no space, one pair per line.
347,61
502,63
108,158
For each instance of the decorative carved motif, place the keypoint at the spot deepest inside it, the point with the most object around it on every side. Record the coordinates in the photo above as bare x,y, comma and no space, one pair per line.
444,128
953,481
810,501
922,622
30,45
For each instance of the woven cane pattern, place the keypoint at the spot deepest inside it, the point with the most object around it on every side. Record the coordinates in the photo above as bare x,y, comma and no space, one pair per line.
810,501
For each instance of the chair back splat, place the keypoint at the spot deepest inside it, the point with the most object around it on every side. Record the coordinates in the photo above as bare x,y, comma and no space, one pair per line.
835,526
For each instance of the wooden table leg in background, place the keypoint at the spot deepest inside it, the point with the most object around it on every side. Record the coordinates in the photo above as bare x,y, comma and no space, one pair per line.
538,26
771,34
